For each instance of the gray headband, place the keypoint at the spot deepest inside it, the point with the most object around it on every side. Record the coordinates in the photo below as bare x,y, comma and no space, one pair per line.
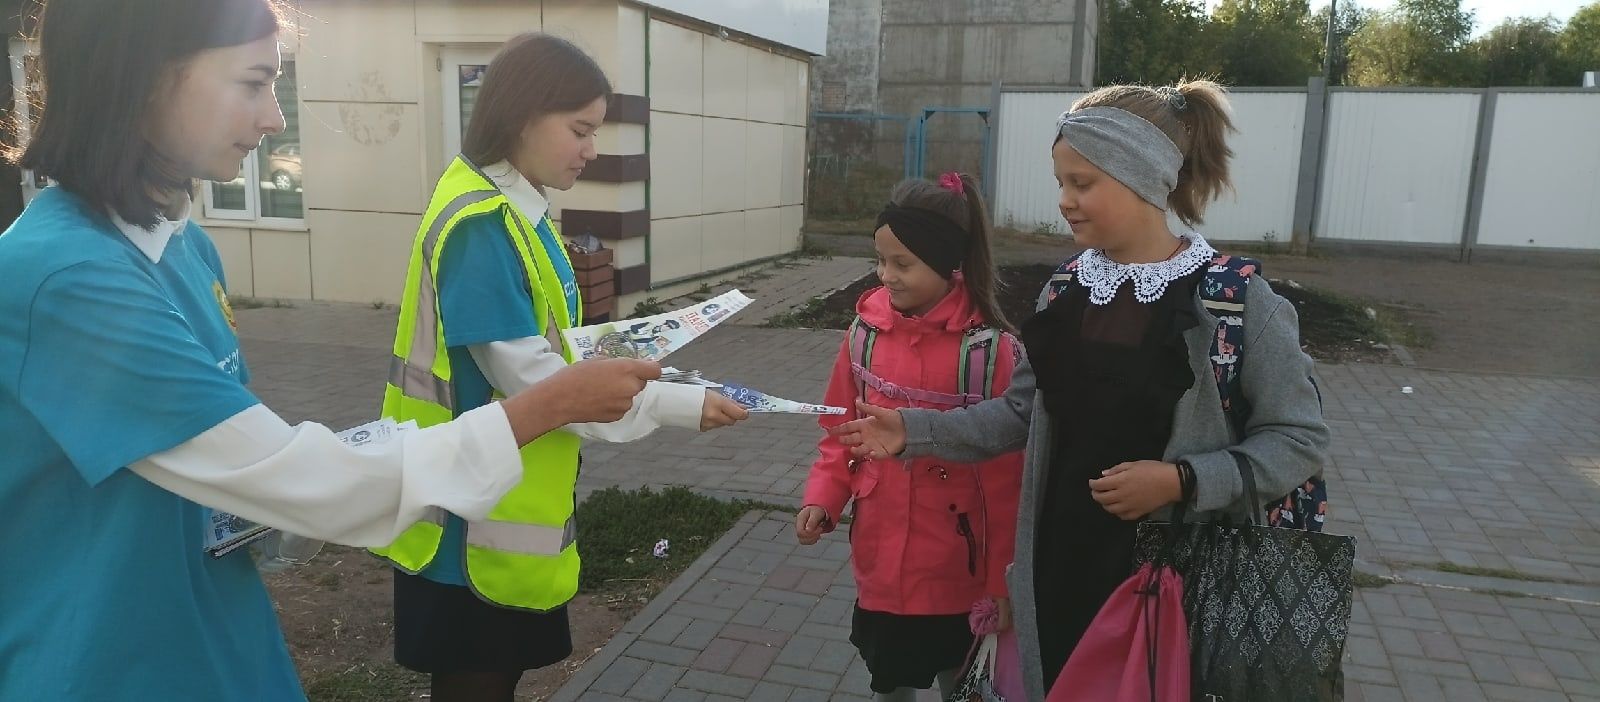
1127,147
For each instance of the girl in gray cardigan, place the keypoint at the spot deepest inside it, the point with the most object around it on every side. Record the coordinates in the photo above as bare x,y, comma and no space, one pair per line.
1116,401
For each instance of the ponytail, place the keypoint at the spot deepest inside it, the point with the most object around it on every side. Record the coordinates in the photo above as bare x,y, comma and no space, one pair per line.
1204,175
983,283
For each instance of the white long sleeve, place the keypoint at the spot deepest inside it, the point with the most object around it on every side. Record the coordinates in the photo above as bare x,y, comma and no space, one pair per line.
304,480
513,366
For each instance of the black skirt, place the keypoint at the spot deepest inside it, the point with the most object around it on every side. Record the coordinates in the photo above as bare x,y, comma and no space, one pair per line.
441,628
908,650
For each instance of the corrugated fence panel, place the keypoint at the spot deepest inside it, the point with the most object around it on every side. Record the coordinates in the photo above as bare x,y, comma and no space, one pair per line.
1025,185
1543,181
1265,165
1265,169
1397,166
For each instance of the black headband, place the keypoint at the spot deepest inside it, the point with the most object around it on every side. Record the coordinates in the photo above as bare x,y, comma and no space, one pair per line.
932,237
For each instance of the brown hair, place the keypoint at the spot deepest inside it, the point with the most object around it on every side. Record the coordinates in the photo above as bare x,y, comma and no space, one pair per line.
1194,114
102,63
969,211
533,75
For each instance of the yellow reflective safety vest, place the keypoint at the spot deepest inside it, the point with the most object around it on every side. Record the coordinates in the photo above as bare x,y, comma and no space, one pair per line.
525,554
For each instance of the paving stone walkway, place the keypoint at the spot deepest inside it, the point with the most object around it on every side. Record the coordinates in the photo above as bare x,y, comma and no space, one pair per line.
1479,494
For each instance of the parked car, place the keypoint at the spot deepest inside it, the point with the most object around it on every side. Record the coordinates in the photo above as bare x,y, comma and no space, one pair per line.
284,165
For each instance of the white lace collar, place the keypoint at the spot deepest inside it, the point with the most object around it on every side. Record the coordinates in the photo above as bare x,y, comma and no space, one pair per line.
1103,276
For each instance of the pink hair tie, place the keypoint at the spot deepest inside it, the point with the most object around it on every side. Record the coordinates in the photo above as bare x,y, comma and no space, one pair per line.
952,181
984,618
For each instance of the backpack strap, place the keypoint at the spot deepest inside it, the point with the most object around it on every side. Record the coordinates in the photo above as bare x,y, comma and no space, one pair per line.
978,348
1062,278
862,338
977,352
1222,293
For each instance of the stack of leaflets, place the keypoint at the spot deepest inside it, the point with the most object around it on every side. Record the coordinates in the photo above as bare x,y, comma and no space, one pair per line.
757,401
226,533
653,338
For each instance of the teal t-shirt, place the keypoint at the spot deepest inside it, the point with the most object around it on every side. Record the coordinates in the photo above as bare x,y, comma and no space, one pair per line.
484,297
106,358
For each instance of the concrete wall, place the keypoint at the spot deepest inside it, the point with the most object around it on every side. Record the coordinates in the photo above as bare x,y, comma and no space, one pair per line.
950,54
727,138
372,132
846,79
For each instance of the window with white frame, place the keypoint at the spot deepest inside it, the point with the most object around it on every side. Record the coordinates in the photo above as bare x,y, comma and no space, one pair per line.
269,187
462,69
27,86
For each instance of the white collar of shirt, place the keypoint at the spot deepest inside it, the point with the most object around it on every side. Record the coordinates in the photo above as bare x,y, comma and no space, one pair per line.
153,241
523,196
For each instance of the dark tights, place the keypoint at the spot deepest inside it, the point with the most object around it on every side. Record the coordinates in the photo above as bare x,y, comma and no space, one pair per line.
475,687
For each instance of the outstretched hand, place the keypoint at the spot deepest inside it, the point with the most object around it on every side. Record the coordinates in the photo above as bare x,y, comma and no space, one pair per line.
719,411
879,433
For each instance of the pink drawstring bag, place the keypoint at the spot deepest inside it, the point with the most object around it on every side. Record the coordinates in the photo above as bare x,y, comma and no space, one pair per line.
1137,647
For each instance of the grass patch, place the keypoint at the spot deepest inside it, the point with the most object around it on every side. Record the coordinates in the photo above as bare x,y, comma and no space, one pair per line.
1340,327
813,249
1502,573
648,307
855,227
1368,580
700,294
617,530
817,313
241,302
362,683
327,581
1328,318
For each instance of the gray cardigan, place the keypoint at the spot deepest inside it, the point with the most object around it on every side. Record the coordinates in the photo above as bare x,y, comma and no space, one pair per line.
1286,439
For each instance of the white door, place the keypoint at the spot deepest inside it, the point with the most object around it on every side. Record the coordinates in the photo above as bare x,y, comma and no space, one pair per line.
25,92
461,71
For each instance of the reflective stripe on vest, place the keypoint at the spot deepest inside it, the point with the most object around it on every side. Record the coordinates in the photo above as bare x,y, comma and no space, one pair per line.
529,539
516,537
421,383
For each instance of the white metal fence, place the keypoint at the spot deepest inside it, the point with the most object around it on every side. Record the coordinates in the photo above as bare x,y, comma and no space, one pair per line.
1397,167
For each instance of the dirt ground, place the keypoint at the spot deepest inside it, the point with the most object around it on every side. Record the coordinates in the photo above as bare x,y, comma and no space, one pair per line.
1331,330
336,614
1538,318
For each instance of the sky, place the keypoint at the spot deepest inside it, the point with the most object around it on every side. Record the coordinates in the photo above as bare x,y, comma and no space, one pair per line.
1488,13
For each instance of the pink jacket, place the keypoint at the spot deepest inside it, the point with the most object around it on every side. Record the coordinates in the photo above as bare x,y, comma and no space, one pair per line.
929,536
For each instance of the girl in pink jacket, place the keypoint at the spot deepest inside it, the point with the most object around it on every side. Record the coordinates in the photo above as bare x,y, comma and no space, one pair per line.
929,537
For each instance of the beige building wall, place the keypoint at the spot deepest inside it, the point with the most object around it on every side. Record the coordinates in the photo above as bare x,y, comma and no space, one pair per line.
726,143
727,152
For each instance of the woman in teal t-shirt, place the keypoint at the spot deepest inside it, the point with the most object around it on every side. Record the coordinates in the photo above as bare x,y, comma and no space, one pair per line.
123,406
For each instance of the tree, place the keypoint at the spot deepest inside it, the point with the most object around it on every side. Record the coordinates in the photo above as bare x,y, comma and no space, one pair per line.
1580,41
1523,51
1419,42
1149,41
1350,20
1263,42
1443,29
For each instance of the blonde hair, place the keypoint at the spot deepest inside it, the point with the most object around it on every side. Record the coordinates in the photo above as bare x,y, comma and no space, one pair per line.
1194,114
